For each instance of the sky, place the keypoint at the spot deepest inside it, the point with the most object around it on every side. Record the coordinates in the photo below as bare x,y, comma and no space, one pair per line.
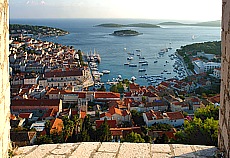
200,10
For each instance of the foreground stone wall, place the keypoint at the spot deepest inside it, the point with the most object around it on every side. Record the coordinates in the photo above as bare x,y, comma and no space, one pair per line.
224,121
115,150
4,80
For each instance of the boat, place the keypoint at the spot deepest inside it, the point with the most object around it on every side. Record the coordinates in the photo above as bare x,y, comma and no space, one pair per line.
94,69
126,63
105,71
138,50
142,61
130,58
142,70
132,65
130,53
140,57
155,61
133,78
193,37
144,64
95,57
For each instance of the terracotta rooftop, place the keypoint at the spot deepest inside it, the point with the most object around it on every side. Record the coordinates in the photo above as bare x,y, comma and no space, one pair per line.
175,115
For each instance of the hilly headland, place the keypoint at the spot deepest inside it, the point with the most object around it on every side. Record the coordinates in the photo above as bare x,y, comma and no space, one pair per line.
216,23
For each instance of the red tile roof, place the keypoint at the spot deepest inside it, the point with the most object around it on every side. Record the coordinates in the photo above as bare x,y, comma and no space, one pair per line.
215,99
60,73
133,87
166,84
111,123
39,102
101,95
56,125
113,110
25,115
155,114
83,114
105,114
175,115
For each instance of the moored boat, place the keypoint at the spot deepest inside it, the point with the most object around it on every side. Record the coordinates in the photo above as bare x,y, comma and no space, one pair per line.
142,70
105,71
132,65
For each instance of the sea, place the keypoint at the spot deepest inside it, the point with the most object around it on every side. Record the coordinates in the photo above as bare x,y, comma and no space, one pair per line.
114,50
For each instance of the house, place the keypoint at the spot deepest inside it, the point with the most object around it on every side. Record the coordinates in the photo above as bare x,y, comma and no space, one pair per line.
111,123
159,105
176,118
194,102
118,133
106,97
31,80
154,117
214,100
64,77
22,138
26,105
217,73
56,126
105,115
119,115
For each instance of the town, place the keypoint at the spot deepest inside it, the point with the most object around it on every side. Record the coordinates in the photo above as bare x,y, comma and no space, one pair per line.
51,101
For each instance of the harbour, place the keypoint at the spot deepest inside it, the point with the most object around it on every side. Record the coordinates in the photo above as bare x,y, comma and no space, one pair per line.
113,56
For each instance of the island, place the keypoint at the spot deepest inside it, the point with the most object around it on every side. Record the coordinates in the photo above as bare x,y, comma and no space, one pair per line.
216,23
145,25
36,31
125,33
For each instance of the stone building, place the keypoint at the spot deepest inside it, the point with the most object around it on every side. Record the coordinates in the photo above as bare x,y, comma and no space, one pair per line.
224,121
4,79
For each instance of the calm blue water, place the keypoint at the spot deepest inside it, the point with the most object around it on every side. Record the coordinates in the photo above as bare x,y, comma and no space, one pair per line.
84,36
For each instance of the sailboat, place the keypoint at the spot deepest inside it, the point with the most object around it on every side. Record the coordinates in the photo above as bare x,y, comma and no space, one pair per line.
193,37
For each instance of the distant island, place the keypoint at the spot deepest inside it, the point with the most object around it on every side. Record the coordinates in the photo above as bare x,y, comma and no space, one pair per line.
145,25
216,23
125,33
40,31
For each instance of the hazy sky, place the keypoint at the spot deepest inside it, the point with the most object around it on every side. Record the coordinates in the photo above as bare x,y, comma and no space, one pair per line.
202,10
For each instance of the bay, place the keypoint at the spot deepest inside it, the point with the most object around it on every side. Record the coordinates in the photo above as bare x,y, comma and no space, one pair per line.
84,36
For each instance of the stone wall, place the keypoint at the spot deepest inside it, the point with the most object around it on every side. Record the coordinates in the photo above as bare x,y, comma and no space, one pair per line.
4,79
115,150
224,121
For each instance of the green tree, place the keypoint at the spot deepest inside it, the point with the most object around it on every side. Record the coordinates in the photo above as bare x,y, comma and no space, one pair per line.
164,139
47,127
134,138
113,88
87,131
104,133
199,132
102,88
208,112
43,140
68,128
120,87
